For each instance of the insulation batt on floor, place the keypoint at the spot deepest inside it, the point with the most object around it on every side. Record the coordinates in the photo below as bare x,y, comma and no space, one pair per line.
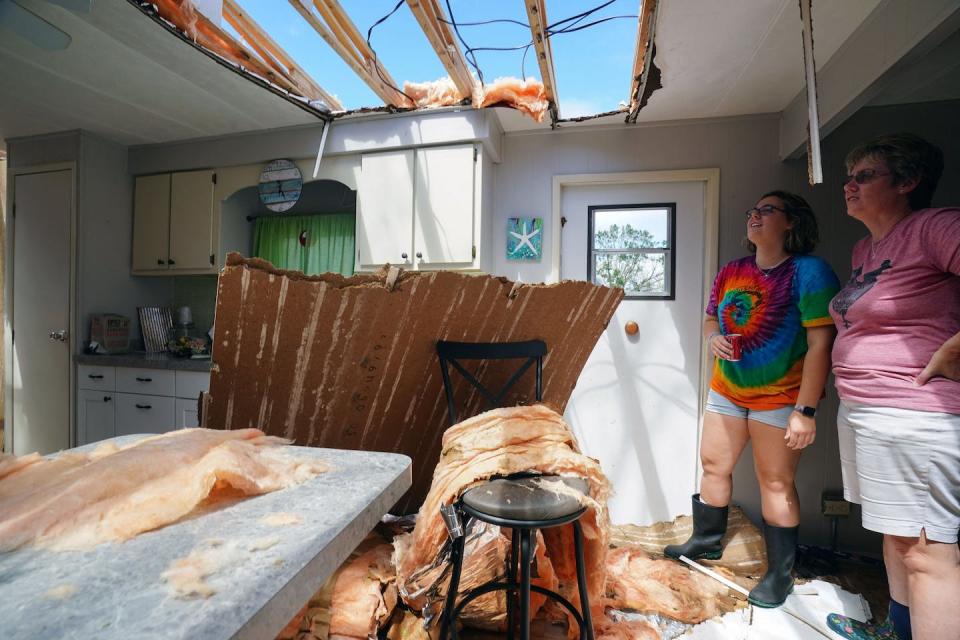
635,592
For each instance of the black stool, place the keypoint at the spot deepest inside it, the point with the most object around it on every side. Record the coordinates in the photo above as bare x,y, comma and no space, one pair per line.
524,505
519,502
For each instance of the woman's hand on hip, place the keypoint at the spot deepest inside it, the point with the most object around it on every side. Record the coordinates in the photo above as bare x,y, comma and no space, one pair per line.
945,362
720,346
801,431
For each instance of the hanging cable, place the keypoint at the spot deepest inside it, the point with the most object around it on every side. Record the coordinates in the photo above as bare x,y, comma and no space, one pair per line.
376,65
472,59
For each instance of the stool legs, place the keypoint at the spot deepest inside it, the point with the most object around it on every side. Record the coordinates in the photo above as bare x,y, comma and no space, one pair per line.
582,580
456,562
513,566
525,584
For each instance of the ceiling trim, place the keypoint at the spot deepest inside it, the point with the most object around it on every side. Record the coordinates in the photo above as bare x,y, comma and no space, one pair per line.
643,57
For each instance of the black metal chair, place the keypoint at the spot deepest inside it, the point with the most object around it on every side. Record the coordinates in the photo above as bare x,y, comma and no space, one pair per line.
520,502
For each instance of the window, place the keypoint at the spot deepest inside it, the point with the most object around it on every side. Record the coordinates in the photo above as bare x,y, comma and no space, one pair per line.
632,247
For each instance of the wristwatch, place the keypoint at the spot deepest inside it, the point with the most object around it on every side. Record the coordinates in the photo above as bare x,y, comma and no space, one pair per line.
810,412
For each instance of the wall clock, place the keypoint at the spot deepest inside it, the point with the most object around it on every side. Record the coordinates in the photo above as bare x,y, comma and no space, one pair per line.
280,185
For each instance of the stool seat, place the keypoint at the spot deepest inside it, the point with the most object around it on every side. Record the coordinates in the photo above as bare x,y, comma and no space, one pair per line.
529,498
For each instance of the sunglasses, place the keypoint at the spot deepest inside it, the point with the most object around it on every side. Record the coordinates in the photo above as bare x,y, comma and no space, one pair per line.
763,211
864,176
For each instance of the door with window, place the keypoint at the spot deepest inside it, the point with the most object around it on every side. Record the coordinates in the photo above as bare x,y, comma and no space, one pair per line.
636,404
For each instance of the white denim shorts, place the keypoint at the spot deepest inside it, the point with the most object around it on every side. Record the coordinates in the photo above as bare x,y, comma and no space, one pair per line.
903,467
717,403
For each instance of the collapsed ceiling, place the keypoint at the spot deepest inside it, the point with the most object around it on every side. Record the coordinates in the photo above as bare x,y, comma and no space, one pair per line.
264,59
351,363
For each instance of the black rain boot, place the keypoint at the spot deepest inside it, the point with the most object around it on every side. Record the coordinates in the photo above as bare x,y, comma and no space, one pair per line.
709,525
778,582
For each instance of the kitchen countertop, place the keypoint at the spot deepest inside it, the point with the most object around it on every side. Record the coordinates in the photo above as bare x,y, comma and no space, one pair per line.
139,359
116,589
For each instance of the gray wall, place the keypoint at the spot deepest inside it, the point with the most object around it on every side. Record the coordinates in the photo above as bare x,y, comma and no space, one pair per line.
104,240
938,123
745,150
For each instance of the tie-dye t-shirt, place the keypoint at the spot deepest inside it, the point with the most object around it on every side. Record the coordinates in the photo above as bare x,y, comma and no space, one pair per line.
770,310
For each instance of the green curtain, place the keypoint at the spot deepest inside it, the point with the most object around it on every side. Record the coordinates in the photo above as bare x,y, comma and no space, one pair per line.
327,244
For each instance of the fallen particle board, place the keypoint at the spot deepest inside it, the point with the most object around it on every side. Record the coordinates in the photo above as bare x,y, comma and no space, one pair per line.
348,363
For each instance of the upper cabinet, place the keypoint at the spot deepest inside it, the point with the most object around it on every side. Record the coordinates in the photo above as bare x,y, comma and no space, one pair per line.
419,208
173,223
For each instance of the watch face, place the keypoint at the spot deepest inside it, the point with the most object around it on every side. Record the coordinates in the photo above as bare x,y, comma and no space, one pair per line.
280,185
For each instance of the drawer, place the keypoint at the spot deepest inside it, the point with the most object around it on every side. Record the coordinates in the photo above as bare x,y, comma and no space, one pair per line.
154,382
96,378
191,383
145,414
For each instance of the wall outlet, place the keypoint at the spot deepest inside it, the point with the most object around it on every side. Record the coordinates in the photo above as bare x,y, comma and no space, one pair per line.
833,504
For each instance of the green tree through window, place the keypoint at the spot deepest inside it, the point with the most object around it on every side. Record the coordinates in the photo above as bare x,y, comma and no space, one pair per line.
618,264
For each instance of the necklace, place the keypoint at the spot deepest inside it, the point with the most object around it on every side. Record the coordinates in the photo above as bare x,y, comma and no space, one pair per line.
766,272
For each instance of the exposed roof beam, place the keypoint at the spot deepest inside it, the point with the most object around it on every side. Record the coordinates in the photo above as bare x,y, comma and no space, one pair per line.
537,17
642,56
337,30
435,24
273,54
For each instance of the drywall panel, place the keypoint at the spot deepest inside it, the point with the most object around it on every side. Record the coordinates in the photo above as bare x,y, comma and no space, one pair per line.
350,363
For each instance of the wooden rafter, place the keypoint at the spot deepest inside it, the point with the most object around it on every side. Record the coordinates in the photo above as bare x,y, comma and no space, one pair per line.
435,24
335,27
273,54
537,17
642,56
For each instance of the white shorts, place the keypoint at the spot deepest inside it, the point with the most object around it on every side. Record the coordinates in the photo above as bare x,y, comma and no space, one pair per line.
903,467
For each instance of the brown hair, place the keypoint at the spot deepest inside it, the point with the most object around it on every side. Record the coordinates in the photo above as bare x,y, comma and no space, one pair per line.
908,157
804,235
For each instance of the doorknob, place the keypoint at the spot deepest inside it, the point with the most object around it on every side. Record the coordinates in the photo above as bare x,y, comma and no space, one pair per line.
58,336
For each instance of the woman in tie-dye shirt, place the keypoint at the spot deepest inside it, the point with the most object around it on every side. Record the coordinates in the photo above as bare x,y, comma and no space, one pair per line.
777,300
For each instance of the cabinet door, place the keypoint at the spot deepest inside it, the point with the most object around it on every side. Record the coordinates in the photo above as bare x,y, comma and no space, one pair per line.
144,414
444,206
385,209
96,416
151,223
187,415
191,220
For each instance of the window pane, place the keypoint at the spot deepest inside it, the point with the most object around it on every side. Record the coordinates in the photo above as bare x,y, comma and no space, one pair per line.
631,229
636,273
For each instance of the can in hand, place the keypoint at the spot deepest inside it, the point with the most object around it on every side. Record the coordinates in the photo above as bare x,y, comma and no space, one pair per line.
736,345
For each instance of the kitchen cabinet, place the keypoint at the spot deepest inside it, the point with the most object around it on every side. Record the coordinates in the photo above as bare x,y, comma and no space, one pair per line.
173,224
419,208
116,401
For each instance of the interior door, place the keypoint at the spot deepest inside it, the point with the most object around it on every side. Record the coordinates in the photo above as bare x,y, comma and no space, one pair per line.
636,404
41,311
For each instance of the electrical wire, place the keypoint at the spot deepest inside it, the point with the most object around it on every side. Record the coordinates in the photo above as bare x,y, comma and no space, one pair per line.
468,54
376,65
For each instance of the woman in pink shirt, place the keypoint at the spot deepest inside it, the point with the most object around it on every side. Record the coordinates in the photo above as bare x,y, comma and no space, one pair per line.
896,361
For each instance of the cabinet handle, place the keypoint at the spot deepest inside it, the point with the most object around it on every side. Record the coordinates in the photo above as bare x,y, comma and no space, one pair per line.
95,376
144,379
419,255
171,262
160,261
143,406
403,255
107,398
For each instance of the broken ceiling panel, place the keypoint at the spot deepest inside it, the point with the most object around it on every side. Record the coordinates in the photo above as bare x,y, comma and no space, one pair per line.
348,363
646,76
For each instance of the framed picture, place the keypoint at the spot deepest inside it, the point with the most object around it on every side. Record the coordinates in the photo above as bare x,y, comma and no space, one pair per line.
524,239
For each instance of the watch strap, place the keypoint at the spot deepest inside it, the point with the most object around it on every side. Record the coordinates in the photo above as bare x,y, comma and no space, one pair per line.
810,412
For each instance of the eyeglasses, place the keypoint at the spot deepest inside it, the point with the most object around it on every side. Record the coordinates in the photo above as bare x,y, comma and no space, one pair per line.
864,176
763,211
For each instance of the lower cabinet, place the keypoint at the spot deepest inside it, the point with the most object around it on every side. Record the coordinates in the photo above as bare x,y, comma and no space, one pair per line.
119,401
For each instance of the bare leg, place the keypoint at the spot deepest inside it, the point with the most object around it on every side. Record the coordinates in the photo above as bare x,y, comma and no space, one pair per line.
933,584
776,467
724,438
896,572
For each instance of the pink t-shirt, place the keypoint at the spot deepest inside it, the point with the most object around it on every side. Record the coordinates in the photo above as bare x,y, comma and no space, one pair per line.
901,303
